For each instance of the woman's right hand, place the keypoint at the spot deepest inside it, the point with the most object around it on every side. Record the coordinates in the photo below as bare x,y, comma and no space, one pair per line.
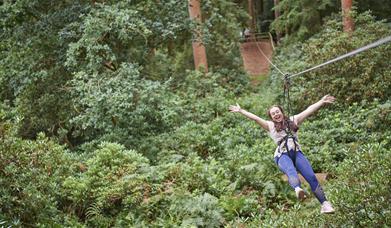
327,99
234,108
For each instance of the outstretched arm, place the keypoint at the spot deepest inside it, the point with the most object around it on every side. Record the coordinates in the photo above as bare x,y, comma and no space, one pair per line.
259,120
313,108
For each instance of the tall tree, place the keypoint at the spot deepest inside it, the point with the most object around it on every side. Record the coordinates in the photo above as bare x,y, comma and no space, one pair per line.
348,23
277,15
251,22
199,52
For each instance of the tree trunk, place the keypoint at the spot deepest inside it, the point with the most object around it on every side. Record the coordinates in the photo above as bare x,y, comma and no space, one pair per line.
348,23
277,15
251,23
199,51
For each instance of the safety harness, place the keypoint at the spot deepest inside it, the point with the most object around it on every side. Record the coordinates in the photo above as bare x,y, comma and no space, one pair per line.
287,129
285,140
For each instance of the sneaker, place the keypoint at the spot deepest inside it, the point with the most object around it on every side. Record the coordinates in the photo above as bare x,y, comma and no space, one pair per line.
300,193
326,208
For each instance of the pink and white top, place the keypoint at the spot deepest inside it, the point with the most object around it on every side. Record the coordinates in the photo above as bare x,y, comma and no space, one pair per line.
278,136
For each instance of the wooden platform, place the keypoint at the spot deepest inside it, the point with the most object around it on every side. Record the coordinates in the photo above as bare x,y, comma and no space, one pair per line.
254,62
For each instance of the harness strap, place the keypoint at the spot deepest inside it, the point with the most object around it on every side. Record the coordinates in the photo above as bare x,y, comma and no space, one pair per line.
285,140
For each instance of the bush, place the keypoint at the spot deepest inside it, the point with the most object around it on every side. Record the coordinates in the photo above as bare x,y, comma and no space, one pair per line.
32,176
361,191
121,104
115,179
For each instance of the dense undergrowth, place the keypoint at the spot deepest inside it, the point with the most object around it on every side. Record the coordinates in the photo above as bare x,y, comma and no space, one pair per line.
204,174
141,148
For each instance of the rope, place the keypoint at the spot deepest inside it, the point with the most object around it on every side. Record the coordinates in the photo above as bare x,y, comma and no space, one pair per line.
286,92
260,50
287,84
369,46
271,40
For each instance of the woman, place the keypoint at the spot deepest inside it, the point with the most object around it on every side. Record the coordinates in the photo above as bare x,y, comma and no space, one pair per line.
288,155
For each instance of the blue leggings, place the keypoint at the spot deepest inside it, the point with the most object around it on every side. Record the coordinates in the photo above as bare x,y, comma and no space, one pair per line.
285,163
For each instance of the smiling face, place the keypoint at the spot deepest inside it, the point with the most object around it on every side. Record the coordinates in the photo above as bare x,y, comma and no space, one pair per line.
276,114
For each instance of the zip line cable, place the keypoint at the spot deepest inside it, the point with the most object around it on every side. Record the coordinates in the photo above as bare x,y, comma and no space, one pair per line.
369,46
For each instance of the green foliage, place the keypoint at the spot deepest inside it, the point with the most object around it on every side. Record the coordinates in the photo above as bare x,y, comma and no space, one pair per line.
32,75
122,103
198,211
363,187
330,138
243,205
32,175
108,34
51,53
153,144
299,20
344,79
221,28
130,108
204,97
114,178
380,9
